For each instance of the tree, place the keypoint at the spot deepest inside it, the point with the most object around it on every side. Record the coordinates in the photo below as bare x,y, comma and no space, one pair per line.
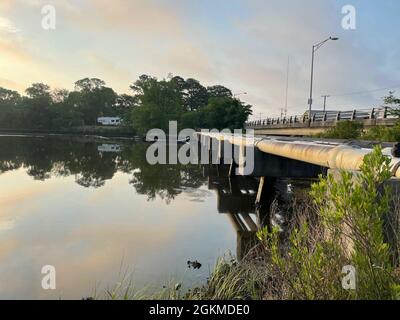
393,103
142,84
9,97
224,113
161,102
126,101
89,84
38,91
63,113
59,95
219,91
180,83
93,99
38,103
196,96
11,113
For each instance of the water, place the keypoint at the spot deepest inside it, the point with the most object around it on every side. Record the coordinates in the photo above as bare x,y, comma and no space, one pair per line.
95,209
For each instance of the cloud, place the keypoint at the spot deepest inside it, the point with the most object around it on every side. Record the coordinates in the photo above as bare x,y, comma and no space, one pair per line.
7,25
244,46
10,84
108,70
140,17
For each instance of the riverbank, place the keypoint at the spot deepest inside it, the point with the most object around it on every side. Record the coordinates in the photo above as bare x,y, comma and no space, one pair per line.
123,132
341,244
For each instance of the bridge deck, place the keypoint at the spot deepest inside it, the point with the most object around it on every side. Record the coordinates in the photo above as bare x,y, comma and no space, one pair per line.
333,154
321,121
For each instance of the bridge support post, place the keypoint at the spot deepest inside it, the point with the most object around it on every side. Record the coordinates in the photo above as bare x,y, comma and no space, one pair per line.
232,169
265,197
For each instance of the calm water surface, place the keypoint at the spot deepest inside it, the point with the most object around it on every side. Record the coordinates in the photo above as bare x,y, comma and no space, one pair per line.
93,207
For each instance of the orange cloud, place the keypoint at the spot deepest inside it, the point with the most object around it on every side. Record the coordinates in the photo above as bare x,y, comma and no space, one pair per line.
140,17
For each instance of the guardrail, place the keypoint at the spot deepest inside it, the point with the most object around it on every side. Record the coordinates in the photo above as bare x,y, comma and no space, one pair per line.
326,116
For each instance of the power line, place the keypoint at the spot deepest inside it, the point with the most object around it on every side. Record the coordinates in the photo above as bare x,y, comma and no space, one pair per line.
365,91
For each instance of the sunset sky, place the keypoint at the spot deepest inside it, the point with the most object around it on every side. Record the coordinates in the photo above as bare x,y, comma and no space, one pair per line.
242,44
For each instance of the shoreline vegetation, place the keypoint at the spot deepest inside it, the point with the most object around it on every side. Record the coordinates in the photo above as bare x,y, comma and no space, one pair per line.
350,220
352,130
94,131
153,103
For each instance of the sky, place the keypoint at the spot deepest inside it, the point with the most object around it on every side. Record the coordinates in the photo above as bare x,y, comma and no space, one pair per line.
242,44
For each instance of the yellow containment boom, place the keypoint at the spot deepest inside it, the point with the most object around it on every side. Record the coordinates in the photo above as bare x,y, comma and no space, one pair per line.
333,155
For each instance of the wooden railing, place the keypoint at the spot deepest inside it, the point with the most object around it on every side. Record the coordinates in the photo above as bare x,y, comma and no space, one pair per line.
325,116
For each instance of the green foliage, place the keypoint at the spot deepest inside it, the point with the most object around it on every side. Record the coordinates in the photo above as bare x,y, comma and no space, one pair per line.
225,112
230,281
344,130
187,102
383,133
353,210
9,98
153,104
195,95
354,130
60,109
393,104
343,228
160,102
219,92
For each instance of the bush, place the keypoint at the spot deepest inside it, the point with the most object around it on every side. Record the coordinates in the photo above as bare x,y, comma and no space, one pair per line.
342,227
344,130
352,210
384,134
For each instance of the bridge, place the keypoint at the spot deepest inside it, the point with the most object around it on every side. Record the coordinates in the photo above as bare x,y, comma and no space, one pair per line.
247,198
278,157
321,121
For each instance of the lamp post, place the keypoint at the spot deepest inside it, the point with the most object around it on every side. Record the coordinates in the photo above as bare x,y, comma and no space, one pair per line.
239,94
314,49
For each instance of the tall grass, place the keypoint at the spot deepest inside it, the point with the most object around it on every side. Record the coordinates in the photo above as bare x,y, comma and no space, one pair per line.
349,220
341,225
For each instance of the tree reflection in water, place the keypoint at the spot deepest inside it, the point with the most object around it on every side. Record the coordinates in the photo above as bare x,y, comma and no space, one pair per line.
92,164
94,161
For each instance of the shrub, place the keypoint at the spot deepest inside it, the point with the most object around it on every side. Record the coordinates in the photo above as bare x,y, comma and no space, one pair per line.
352,209
343,226
344,130
384,134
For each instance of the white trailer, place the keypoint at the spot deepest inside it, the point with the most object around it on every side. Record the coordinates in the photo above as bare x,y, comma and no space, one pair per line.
109,121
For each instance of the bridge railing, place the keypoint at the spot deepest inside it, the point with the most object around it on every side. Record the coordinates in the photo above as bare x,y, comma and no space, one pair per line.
324,116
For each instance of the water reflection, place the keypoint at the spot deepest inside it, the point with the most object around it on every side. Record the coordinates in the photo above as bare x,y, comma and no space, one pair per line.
236,198
94,162
87,203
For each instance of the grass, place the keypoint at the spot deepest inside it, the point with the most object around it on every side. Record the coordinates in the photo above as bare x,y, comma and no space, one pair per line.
349,220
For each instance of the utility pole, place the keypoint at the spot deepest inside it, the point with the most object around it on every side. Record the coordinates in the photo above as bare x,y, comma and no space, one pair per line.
325,97
287,85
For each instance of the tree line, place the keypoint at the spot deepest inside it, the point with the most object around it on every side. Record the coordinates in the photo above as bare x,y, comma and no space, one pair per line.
152,104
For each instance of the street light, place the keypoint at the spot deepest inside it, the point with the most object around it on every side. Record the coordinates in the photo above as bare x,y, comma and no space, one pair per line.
239,94
314,49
